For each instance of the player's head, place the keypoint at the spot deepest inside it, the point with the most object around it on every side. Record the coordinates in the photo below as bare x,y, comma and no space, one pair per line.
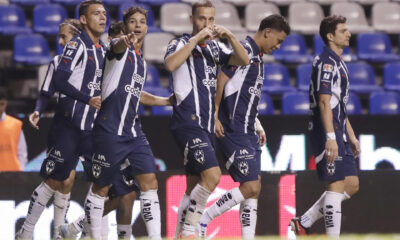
67,30
203,15
334,32
93,16
272,31
116,30
135,20
3,101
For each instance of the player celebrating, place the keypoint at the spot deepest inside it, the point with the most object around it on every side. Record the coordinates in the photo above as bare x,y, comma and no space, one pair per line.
117,133
193,61
77,76
237,125
332,137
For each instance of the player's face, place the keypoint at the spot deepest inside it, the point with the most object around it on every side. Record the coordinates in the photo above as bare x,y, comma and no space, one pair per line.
95,19
3,106
203,17
64,35
137,23
273,40
342,36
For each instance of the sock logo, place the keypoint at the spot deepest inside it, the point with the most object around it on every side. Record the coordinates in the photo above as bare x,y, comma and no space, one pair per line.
87,211
146,211
33,200
329,216
224,198
245,217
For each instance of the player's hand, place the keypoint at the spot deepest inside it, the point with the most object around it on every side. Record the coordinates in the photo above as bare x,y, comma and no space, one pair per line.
34,119
262,136
355,147
221,32
205,34
129,39
171,99
219,129
331,150
95,102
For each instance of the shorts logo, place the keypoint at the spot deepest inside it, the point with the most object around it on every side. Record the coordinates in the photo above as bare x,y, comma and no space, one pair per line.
57,153
199,156
50,166
128,182
132,90
196,141
94,85
328,68
331,168
244,168
96,170
255,91
243,151
210,82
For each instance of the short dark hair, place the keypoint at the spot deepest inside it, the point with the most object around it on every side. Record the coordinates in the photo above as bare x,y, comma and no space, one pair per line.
132,10
203,3
84,6
3,94
276,22
74,25
328,25
115,29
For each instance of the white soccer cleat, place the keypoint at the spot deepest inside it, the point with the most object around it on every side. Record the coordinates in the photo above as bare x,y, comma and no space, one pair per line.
68,231
22,235
291,235
201,231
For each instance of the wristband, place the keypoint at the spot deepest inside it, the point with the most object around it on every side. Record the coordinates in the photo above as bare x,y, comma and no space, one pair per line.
330,136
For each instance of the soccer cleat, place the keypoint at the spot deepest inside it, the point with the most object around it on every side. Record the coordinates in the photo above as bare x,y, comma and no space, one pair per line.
201,231
297,228
68,231
20,235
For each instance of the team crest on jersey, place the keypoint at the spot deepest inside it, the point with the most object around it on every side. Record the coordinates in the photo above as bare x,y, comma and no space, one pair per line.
50,166
327,68
199,156
244,168
96,170
72,44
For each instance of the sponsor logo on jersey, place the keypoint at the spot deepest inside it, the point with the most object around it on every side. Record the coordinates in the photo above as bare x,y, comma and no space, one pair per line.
255,91
137,78
132,90
210,82
94,85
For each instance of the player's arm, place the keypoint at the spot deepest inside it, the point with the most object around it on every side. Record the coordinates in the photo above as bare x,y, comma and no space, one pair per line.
222,79
121,44
153,100
176,56
239,56
261,133
355,144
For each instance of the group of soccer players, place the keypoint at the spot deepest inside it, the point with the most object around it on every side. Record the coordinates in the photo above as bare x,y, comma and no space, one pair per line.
100,89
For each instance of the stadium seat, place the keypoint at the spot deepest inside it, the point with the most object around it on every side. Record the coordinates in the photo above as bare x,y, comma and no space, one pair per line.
4,2
265,105
353,106
284,2
195,1
304,76
119,2
319,47
28,2
242,35
384,103
241,2
295,103
369,2
68,2
293,50
386,17
391,76
276,79
31,49
12,20
176,23
155,45
150,15
256,11
362,78
47,18
327,2
305,17
59,49
356,19
163,92
153,77
157,2
375,47
161,110
227,15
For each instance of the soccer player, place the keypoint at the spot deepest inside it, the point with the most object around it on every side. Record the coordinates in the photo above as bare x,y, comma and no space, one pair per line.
117,133
332,138
77,78
193,60
239,132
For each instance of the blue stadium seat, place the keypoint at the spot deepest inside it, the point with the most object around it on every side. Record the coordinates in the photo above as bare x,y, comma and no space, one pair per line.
150,15
47,18
319,47
293,50
375,47
265,105
12,20
362,78
296,103
153,78
391,76
59,48
31,49
119,2
161,110
384,103
276,79
304,76
29,2
67,2
157,2
353,106
163,92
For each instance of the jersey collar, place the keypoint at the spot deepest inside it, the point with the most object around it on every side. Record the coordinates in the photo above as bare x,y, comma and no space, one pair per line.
256,50
332,53
86,39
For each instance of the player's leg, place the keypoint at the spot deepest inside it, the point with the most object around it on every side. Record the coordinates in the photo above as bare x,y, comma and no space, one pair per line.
248,217
124,215
333,208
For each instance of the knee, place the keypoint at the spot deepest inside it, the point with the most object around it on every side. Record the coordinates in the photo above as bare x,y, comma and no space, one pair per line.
251,189
211,178
149,183
352,188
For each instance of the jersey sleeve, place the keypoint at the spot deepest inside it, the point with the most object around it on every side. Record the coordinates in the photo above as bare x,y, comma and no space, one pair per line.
173,46
224,54
110,55
229,70
325,76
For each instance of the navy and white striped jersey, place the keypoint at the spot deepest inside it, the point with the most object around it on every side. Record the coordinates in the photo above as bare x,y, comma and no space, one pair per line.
238,110
194,83
124,77
47,90
329,76
78,76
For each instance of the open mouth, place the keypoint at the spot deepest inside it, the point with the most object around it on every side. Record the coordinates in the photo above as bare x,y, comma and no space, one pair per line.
137,32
